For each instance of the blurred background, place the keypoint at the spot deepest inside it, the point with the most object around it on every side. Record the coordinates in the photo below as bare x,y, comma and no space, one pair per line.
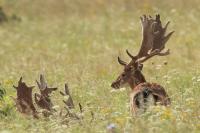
37,30
88,9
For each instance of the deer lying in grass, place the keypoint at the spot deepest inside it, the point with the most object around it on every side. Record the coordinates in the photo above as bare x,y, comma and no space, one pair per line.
25,104
24,100
143,93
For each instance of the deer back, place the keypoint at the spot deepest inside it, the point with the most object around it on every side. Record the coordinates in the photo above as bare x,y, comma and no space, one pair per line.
147,94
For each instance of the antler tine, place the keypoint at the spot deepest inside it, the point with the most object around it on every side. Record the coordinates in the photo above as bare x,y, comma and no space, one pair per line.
20,80
165,28
69,102
130,55
158,17
42,81
80,107
155,52
62,93
121,62
43,86
66,89
14,86
160,39
166,38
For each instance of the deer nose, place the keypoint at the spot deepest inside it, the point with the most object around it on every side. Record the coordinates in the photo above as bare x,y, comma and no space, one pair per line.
114,85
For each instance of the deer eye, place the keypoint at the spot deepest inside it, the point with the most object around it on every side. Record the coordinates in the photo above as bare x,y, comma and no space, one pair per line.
123,75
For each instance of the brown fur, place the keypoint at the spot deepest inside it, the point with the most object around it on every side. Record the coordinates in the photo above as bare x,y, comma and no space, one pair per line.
157,91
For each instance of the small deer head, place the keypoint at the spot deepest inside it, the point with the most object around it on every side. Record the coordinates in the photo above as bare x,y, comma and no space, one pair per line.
153,43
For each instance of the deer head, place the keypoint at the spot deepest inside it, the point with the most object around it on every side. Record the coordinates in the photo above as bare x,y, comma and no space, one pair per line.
153,43
43,99
24,100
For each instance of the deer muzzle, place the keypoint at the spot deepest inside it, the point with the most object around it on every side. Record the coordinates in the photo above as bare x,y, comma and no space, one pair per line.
115,85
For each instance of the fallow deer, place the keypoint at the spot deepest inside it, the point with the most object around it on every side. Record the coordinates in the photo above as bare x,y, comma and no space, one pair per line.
25,105
153,43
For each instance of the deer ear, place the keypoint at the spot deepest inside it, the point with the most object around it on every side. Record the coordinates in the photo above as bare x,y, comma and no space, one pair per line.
140,67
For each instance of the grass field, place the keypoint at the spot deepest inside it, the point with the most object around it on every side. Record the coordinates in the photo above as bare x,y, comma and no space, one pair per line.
78,41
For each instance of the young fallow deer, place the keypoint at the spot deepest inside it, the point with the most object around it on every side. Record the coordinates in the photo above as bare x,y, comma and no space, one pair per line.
143,93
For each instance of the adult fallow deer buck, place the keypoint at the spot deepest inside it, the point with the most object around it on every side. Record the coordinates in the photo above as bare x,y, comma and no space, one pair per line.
143,93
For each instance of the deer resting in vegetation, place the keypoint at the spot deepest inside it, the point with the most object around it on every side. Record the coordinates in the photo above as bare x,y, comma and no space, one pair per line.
25,105
143,93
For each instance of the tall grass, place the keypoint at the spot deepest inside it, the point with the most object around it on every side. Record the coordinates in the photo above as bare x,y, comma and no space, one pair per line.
78,41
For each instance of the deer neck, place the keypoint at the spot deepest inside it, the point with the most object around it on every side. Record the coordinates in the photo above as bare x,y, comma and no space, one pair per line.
137,79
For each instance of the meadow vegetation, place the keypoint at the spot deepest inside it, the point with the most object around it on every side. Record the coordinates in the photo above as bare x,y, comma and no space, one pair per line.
77,42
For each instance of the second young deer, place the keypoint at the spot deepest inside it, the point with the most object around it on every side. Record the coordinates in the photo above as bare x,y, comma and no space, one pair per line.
143,93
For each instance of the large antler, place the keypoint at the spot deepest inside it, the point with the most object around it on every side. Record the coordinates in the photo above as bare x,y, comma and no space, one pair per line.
43,99
24,100
154,39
